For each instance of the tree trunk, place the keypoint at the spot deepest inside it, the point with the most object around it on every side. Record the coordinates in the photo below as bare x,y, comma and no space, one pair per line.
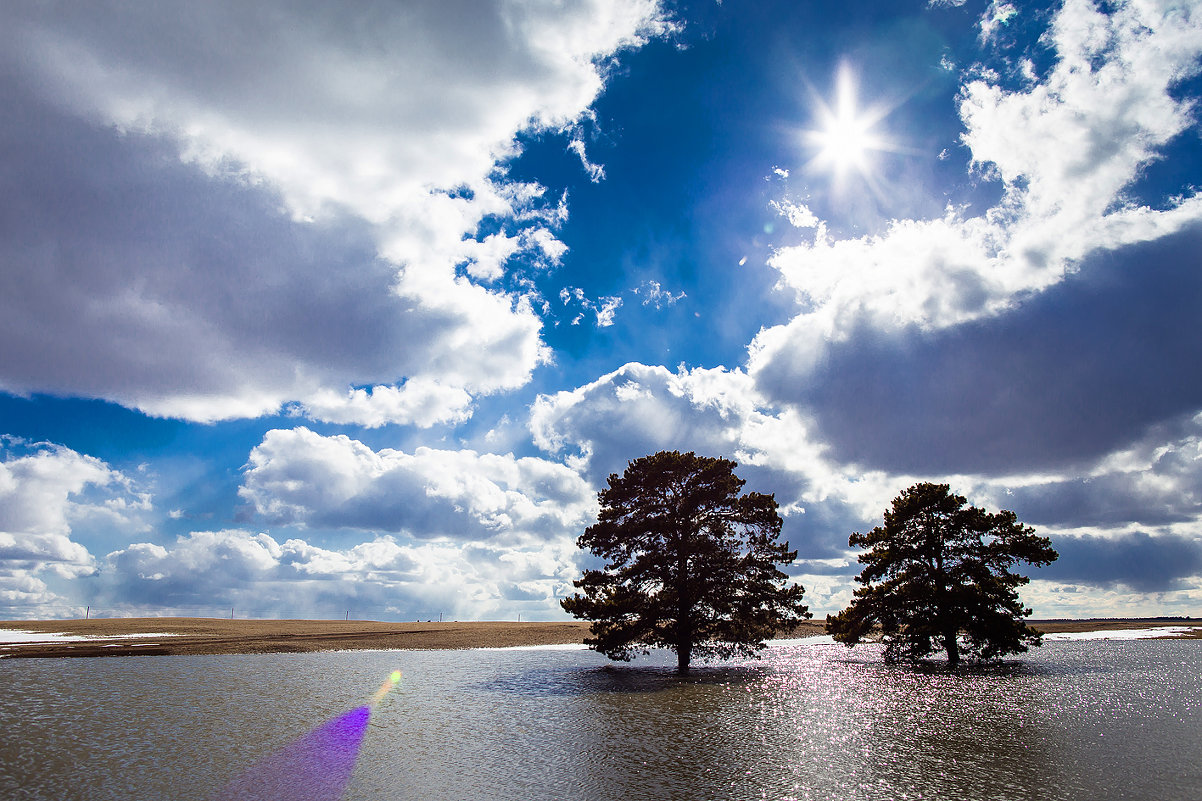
943,602
684,654
684,607
952,647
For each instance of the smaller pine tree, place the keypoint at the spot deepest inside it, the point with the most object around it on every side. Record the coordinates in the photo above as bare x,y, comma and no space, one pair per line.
937,576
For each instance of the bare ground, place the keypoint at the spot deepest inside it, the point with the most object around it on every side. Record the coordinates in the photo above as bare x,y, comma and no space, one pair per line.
141,636
217,636
1122,624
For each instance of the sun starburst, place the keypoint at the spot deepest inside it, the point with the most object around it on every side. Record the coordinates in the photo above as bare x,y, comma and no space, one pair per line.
845,138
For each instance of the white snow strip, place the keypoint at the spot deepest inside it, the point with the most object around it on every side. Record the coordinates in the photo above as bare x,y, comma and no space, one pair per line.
817,639
571,646
1122,634
16,637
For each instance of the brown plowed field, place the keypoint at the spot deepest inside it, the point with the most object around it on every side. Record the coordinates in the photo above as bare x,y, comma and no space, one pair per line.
137,636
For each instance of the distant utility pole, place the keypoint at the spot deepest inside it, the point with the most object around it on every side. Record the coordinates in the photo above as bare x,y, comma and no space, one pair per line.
231,613
88,614
348,615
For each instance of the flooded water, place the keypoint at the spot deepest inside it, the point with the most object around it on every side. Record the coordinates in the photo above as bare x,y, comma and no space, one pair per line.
1073,720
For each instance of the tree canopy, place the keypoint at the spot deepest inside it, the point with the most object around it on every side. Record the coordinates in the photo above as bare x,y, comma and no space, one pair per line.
691,565
938,576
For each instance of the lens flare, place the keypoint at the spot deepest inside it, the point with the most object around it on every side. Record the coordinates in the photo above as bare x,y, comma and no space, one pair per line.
314,767
393,680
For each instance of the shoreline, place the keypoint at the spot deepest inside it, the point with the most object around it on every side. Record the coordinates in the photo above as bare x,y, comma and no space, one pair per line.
159,636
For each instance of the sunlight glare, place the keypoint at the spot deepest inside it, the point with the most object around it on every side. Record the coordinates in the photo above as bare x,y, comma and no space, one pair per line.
845,139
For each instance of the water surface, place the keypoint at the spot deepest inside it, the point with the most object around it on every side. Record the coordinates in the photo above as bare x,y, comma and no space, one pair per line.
1073,720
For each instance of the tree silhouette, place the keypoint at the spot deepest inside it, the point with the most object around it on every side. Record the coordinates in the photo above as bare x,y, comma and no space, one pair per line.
691,565
937,577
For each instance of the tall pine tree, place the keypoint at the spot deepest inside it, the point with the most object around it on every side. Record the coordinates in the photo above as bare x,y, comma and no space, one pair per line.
691,565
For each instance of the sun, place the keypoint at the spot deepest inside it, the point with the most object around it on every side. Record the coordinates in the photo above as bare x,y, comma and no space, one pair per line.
845,138
844,141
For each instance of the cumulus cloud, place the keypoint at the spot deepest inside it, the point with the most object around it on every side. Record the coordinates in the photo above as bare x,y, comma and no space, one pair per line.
46,491
1155,483
1139,561
201,301
1083,369
1143,502
421,401
639,409
385,578
212,210
461,533
1065,149
299,477
374,111
1126,523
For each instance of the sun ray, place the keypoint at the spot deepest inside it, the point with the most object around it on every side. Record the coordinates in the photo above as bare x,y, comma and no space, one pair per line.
845,138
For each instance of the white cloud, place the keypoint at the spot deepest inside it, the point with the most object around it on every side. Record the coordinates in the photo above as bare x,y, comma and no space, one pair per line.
466,534
383,579
997,15
300,477
46,491
1082,135
1124,517
1063,599
1154,486
654,294
380,111
596,172
603,308
551,247
640,409
423,402
285,202
1065,150
605,312
798,214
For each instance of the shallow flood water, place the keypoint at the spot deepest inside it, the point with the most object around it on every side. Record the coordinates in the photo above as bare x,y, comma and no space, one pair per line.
1072,720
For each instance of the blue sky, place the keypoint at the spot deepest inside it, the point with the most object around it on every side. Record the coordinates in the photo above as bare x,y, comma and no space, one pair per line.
309,310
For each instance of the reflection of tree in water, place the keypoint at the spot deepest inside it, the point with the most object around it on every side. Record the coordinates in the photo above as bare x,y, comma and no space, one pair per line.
552,681
651,734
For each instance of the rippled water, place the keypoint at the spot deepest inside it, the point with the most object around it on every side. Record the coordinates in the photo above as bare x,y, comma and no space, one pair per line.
1074,720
